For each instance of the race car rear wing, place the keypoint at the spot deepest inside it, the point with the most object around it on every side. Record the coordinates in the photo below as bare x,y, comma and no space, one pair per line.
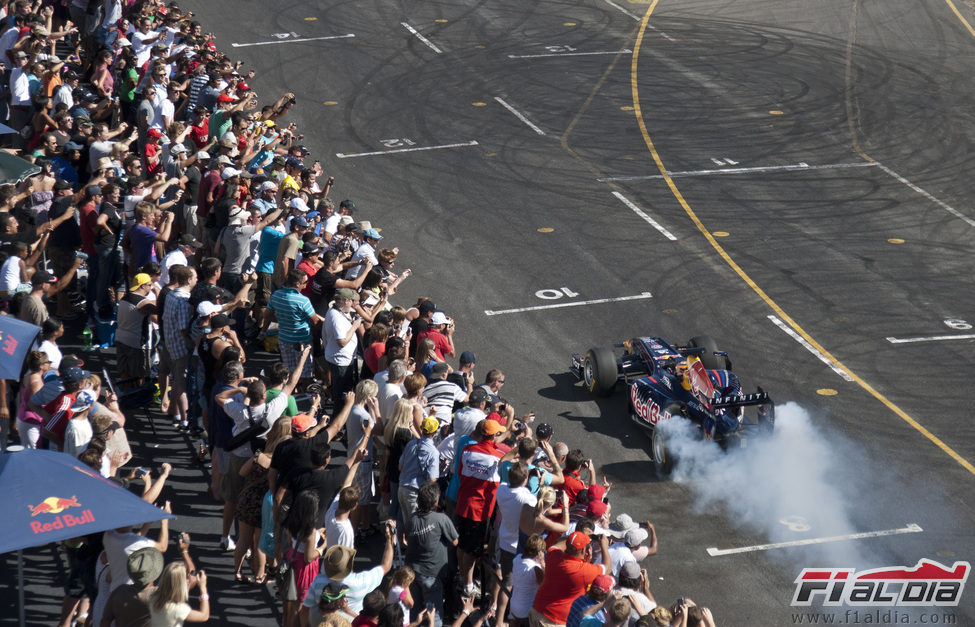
741,400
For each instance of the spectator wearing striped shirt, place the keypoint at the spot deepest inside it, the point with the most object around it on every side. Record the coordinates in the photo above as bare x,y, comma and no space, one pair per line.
442,395
295,315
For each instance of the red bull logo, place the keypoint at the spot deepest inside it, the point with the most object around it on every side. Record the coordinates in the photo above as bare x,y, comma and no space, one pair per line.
55,505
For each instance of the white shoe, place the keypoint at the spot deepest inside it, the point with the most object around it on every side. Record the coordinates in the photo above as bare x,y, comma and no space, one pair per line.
228,544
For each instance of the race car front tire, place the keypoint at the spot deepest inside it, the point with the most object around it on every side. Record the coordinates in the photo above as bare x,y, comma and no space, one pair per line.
600,371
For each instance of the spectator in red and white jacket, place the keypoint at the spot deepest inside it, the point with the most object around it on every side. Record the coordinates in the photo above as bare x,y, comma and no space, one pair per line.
479,479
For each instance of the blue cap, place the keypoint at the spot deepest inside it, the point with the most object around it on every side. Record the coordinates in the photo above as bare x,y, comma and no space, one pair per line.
312,214
73,374
372,234
299,221
468,357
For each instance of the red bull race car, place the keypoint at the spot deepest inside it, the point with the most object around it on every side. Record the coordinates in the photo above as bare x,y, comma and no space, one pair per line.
693,382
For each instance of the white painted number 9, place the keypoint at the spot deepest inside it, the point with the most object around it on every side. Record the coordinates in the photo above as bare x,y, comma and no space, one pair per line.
959,325
795,523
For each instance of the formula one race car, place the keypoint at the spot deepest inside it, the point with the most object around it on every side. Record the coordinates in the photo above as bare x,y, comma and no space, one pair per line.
665,381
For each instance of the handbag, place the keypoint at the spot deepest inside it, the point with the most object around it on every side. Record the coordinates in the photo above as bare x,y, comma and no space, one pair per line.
250,434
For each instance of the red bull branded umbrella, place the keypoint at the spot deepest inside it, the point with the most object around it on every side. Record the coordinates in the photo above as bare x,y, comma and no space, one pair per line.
49,497
16,336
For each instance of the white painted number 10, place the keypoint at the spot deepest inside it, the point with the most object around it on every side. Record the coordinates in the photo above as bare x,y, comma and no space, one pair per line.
397,142
551,294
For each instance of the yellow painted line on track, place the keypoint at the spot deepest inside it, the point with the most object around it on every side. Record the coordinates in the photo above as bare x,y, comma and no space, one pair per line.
960,17
634,86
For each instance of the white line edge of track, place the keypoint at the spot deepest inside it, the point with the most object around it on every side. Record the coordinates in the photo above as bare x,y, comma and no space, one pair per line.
626,201
578,303
796,167
291,41
419,36
934,338
911,528
809,347
519,115
342,155
940,203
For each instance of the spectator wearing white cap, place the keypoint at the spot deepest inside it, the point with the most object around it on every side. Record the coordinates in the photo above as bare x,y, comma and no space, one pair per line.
299,208
441,332
266,197
365,252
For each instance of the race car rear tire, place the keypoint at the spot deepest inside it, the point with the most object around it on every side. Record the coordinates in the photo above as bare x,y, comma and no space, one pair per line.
600,371
709,359
663,460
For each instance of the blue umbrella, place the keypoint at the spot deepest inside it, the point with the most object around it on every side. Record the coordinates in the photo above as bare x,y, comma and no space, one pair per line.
50,496
16,336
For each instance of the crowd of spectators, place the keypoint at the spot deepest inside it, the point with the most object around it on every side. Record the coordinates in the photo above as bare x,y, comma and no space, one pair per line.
205,236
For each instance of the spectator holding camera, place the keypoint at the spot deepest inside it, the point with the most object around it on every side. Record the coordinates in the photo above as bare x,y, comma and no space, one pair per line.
568,574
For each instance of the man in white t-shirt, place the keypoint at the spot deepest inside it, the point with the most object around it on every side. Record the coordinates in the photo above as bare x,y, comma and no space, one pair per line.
365,252
122,542
512,497
142,41
188,246
339,333
331,226
392,390
338,523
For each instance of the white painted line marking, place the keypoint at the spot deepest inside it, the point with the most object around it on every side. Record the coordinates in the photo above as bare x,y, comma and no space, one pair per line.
809,347
429,43
943,205
662,34
578,303
566,54
626,201
911,528
291,41
759,169
519,115
342,155
936,338
622,10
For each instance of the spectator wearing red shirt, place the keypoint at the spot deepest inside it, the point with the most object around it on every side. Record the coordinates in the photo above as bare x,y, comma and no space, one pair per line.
152,152
88,220
200,129
310,264
375,342
210,184
568,573
479,480
441,331
57,413
575,462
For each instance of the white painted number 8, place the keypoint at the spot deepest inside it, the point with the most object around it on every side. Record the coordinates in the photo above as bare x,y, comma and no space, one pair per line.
795,523
959,325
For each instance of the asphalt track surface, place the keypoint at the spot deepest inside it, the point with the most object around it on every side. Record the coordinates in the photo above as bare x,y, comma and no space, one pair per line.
788,177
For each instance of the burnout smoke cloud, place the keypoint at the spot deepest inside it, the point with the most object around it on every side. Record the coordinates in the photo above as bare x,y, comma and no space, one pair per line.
786,486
